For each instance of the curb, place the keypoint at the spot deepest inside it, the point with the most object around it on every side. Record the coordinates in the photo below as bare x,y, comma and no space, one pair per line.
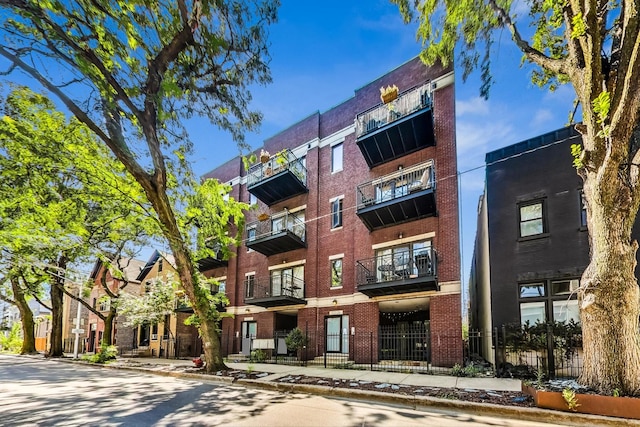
418,402
412,401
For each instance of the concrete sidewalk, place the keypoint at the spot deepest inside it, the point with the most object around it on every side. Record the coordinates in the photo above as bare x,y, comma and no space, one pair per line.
421,380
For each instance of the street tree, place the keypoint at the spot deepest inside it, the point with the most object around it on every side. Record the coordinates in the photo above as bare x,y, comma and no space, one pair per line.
133,72
594,46
63,198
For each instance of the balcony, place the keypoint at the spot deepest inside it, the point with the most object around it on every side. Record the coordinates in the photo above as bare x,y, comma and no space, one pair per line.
278,233
393,274
405,195
392,130
280,177
209,263
274,291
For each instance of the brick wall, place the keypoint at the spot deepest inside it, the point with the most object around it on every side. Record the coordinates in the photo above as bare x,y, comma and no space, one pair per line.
446,330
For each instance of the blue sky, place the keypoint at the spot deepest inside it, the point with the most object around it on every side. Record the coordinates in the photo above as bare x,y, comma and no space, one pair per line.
322,53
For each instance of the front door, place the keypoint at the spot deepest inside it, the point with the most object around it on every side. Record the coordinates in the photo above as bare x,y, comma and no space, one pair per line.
337,328
249,330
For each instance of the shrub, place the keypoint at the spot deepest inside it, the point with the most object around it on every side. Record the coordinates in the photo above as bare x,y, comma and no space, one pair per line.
296,340
258,355
12,342
106,353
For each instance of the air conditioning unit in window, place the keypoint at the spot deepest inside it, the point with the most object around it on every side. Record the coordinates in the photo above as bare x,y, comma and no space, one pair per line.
154,336
574,285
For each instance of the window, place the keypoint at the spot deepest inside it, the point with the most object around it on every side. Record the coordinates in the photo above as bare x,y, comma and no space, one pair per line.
409,260
249,282
160,265
532,312
336,213
105,304
583,210
336,273
532,290
251,236
564,287
531,219
221,287
288,281
336,158
252,199
552,300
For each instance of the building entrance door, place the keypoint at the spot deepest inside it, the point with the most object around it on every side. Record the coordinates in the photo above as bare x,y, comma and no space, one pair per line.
249,332
337,339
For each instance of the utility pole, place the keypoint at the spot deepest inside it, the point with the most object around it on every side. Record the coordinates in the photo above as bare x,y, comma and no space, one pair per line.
77,331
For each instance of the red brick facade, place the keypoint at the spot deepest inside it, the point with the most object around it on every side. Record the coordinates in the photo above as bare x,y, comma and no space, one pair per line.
314,137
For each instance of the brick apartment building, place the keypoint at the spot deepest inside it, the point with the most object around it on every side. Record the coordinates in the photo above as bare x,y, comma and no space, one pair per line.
100,301
354,238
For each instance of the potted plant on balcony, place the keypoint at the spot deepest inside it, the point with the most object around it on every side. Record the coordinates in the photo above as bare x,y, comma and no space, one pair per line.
263,216
388,94
264,156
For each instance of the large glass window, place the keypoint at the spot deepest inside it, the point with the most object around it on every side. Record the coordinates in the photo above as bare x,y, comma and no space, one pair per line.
531,219
336,158
405,261
288,281
553,300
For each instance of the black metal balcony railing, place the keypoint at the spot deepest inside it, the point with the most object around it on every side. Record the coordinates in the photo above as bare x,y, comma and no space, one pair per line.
404,195
398,273
276,234
388,131
275,290
280,177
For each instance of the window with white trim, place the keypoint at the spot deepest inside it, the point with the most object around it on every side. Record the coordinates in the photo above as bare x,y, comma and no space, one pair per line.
336,273
336,213
531,217
336,158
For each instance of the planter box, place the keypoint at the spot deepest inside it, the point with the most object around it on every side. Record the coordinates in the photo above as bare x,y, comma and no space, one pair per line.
622,407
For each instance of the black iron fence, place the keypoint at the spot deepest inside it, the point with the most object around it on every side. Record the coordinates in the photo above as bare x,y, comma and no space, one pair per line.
167,348
524,351
399,348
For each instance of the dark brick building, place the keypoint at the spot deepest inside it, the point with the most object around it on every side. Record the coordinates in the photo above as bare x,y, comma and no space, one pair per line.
532,243
356,228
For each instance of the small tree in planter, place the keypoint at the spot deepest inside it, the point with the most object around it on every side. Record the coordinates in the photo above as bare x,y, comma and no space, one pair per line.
296,341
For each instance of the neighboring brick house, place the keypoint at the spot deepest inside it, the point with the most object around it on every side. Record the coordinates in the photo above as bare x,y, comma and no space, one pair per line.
98,298
352,239
532,244
171,338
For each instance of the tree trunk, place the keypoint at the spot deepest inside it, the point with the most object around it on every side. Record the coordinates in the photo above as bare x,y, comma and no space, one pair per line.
203,309
26,316
609,293
57,295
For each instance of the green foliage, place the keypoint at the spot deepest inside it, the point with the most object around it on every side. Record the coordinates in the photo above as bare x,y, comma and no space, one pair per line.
250,368
601,106
153,305
466,371
295,340
258,356
576,153
570,399
106,353
616,392
12,342
579,26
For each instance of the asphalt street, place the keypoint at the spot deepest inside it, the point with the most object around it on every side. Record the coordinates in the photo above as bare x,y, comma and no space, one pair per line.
37,392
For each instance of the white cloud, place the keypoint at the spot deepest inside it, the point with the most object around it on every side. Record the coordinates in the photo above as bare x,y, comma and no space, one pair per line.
542,117
477,137
473,106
